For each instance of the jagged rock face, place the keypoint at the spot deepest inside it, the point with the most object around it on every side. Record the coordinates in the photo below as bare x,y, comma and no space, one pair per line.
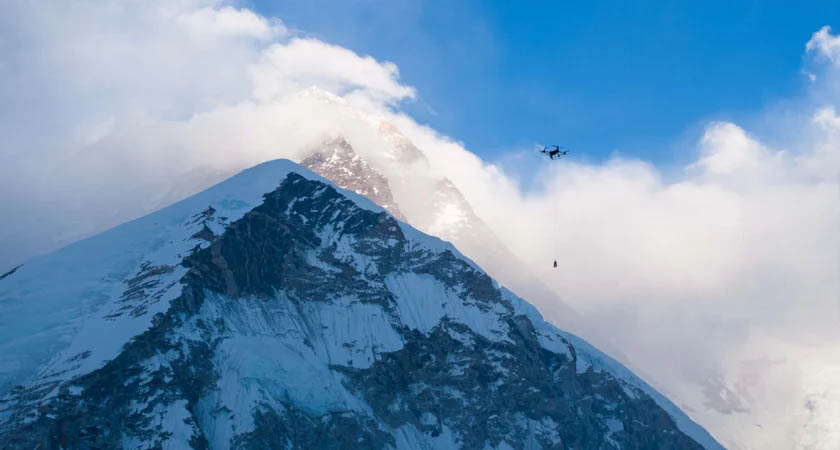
311,322
336,161
512,391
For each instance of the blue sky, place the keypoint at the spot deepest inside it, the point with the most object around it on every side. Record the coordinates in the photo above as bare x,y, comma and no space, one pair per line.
636,79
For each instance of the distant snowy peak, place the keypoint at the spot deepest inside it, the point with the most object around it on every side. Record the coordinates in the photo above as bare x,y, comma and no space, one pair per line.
321,95
403,149
453,217
335,160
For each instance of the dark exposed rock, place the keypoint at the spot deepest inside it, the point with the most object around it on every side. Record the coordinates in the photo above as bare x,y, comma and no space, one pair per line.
142,290
14,269
492,391
293,428
205,234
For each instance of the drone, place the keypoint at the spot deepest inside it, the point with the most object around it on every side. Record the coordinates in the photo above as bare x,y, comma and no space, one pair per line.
555,151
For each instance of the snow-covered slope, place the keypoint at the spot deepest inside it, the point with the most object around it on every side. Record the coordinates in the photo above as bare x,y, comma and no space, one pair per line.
276,311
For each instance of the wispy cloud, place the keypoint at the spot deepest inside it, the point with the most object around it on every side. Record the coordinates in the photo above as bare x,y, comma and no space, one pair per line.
227,21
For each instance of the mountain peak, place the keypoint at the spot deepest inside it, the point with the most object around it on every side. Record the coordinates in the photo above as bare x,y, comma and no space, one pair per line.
321,94
336,160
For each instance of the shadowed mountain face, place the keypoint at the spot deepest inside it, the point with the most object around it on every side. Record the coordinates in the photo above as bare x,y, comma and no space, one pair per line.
313,319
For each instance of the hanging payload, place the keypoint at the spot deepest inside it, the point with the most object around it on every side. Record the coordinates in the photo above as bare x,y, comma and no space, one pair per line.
555,151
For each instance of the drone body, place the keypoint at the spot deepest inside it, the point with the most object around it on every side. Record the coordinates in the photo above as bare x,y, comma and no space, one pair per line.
555,152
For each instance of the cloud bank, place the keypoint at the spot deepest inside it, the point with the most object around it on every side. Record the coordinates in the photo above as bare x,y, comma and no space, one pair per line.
720,281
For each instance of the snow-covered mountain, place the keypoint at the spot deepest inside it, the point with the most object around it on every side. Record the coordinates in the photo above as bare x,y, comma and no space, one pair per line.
275,310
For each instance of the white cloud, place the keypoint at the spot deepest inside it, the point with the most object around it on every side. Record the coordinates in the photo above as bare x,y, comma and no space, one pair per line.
826,44
227,21
828,119
720,278
300,63
727,149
